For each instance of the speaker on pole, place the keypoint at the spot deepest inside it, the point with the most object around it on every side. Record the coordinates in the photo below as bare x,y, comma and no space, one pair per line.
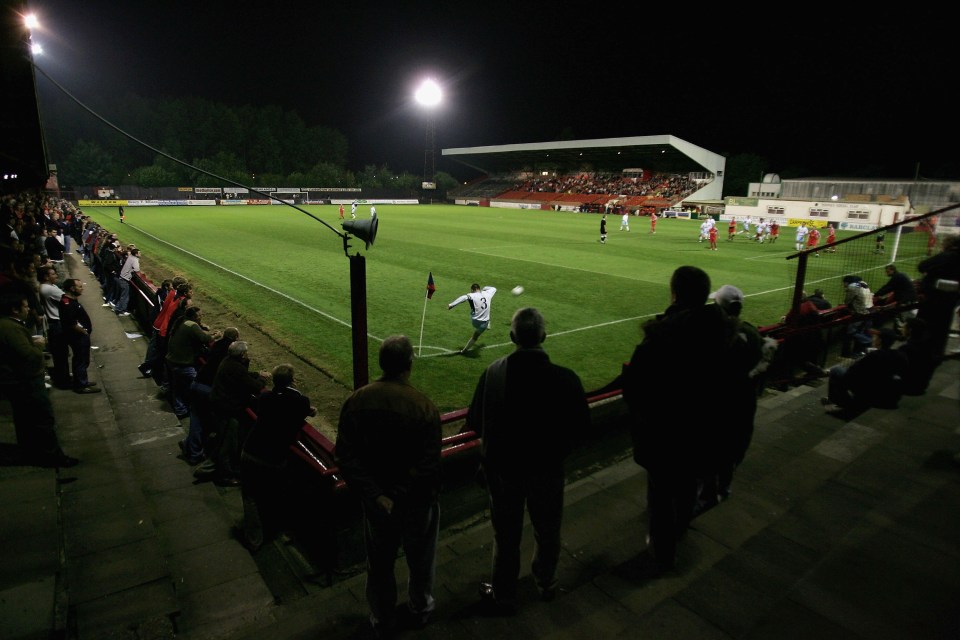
365,229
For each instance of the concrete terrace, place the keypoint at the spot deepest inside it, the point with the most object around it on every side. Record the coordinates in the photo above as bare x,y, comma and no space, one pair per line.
835,530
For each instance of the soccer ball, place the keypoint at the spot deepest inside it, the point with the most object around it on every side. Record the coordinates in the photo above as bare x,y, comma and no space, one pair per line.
517,290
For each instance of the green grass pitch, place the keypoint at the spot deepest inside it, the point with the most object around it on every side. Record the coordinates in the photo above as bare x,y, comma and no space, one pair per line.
289,274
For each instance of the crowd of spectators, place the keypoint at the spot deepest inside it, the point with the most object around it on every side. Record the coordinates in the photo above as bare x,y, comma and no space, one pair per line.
201,372
658,185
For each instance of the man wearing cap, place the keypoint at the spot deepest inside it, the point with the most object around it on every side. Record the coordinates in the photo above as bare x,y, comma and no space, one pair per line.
872,381
752,353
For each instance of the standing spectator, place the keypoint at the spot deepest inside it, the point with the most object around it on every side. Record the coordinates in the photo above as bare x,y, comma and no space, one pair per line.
188,341
671,438
388,448
653,221
22,383
154,363
50,295
479,299
77,328
753,353
625,221
528,412
130,266
831,238
801,238
266,496
941,273
234,390
193,447
55,248
603,228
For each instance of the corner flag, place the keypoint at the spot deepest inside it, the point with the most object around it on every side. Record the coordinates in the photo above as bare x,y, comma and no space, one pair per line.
431,288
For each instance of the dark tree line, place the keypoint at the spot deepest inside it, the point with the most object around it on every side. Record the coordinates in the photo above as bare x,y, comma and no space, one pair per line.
255,146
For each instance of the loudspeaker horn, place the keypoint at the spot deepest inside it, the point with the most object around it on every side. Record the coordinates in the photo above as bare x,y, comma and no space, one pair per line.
365,229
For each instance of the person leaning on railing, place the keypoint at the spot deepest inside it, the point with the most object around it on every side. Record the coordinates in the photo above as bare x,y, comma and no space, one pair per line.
939,286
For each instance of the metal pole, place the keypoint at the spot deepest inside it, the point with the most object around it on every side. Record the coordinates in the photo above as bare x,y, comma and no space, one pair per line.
358,316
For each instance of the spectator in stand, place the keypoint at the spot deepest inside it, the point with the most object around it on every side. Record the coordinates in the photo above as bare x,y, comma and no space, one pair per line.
111,274
234,390
55,248
754,354
267,494
859,301
50,295
821,303
920,361
154,362
671,439
130,266
193,447
898,290
22,383
77,327
872,381
189,340
528,413
939,285
388,449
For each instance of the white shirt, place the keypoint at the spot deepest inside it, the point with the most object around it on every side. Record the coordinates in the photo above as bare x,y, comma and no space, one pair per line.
479,303
50,295
373,212
801,233
132,264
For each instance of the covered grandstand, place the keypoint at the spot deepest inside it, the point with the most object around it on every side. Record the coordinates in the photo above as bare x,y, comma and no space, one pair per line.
634,158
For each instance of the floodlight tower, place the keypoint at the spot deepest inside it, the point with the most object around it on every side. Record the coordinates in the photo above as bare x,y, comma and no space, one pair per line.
428,96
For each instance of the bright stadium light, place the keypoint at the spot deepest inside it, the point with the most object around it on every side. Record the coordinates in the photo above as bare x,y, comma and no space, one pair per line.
30,21
428,95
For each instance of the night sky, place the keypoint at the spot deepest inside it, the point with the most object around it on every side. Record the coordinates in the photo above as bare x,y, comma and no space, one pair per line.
821,94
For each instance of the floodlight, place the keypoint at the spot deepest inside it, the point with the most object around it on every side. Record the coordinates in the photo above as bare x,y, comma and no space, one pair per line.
429,93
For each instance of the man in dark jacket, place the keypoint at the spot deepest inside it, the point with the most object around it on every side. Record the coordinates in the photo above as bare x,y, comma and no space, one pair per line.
234,390
388,448
76,326
674,439
528,413
21,382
